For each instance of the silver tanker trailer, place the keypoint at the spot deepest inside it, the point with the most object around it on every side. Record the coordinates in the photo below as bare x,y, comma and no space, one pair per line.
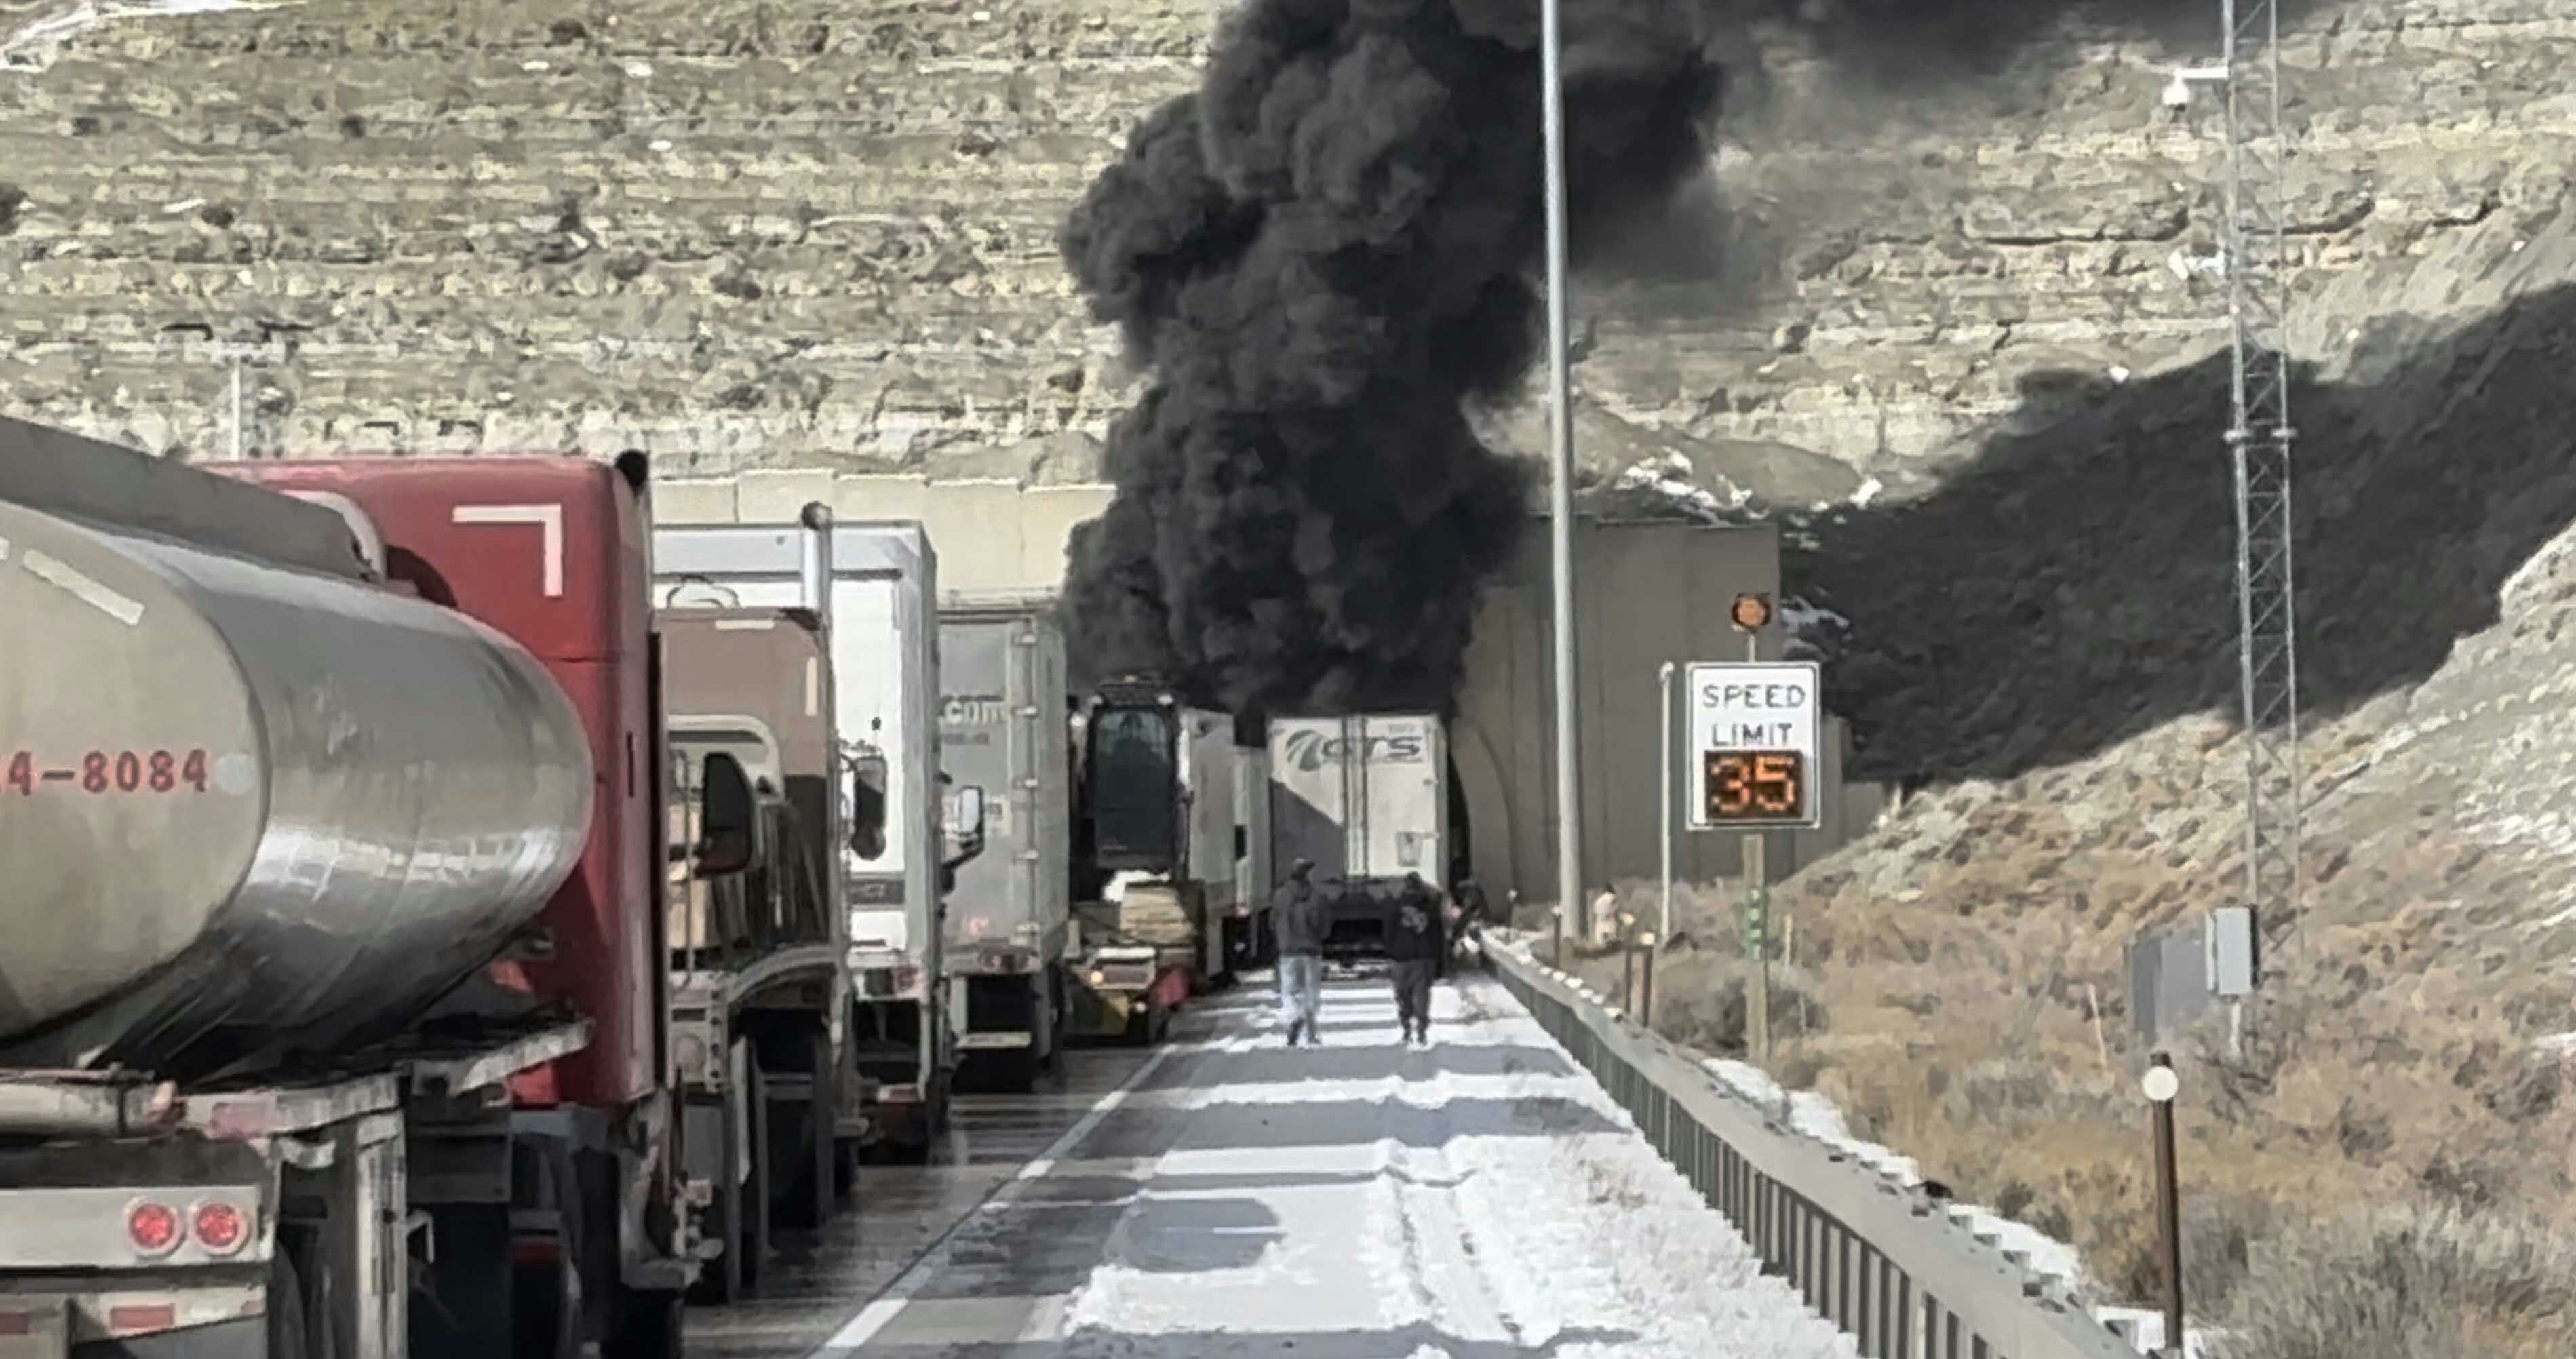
261,817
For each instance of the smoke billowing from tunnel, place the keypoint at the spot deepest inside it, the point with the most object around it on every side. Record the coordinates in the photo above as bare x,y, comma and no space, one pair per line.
1325,256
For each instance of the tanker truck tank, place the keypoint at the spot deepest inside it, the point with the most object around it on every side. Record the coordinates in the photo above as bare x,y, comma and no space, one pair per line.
253,814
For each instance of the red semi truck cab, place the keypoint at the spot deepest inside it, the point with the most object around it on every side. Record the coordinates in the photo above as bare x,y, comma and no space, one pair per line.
554,552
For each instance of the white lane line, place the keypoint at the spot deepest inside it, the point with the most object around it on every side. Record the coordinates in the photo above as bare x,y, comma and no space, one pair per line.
887,1305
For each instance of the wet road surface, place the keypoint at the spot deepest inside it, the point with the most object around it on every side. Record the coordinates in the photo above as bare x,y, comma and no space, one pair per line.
816,1296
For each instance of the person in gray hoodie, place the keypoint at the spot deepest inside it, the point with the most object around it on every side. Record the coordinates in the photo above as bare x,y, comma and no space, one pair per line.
1302,917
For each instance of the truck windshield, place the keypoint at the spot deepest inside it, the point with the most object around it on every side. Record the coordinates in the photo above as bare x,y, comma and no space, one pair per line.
1133,793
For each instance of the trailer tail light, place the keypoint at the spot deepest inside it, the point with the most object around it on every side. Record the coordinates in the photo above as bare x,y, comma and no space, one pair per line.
220,1228
136,1320
17,1323
154,1228
906,980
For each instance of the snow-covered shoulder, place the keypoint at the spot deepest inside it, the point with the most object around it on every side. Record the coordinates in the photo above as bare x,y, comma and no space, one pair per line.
1477,1198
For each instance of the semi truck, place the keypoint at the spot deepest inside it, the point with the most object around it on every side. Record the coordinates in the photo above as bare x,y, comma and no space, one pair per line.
333,1019
1365,798
760,989
1002,728
1159,855
873,588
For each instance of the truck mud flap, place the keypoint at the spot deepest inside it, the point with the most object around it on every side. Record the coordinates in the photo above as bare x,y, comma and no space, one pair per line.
1173,989
35,1328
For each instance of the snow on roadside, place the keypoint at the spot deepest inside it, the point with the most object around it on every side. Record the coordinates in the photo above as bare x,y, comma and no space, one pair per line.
1599,1203
1821,1119
1479,1199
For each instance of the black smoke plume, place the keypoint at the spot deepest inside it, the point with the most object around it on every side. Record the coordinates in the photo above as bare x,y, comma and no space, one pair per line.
1325,256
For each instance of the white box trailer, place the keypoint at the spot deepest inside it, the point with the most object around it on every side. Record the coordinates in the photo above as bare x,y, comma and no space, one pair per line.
1002,728
878,608
1248,937
1366,799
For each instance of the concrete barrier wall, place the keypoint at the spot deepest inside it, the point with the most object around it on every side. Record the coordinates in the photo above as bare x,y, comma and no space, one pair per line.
1645,593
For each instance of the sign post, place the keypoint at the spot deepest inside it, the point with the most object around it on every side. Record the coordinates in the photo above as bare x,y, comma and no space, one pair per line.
1756,736
1664,804
2161,1085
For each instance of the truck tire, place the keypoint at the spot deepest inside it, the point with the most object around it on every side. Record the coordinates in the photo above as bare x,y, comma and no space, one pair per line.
754,1241
1059,1014
800,1143
545,1303
286,1331
465,1305
1015,1072
846,1155
648,1326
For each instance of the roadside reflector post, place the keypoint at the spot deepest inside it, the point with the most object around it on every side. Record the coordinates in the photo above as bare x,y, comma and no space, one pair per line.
2161,1086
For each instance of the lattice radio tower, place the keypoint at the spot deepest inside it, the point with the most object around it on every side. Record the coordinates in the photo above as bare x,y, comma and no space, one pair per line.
2258,439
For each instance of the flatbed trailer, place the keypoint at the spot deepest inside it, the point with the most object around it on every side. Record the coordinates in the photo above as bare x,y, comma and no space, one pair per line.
285,1218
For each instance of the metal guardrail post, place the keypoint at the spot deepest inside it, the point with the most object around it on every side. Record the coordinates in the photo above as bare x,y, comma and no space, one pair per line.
1627,968
1646,993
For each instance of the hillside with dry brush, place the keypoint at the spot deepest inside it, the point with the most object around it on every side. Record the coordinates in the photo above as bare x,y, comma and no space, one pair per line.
2046,645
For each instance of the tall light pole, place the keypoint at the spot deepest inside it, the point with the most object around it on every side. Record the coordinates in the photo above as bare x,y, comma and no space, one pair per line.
1560,440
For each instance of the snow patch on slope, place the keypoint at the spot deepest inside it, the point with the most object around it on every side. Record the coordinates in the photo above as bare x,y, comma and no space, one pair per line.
38,44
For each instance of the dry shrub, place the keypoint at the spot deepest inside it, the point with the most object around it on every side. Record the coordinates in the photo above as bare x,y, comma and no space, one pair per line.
1982,1029
2410,1283
1705,1002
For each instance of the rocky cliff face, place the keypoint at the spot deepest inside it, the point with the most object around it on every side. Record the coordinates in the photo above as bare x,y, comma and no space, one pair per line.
787,233
736,234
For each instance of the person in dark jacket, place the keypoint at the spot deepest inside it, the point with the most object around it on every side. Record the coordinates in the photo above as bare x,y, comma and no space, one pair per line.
1414,943
1301,918
1469,934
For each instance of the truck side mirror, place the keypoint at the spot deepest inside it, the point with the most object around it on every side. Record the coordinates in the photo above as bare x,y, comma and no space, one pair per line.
728,832
965,826
865,780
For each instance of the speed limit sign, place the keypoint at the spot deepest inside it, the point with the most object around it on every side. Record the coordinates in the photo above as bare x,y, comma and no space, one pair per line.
1754,747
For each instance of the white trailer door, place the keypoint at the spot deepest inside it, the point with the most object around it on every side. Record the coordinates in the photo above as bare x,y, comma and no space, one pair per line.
1402,797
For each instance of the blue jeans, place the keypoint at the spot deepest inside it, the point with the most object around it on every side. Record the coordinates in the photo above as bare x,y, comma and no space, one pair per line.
1301,988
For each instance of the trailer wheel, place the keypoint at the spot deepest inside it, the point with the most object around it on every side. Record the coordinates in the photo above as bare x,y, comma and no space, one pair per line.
545,1302
648,1326
800,1144
463,1304
1058,1010
846,1154
1015,1071
285,1307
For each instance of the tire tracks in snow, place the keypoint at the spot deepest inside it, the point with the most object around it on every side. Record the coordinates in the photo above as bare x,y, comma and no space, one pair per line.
1439,1240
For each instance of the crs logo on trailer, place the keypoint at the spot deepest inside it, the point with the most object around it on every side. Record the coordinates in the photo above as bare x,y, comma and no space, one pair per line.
1309,750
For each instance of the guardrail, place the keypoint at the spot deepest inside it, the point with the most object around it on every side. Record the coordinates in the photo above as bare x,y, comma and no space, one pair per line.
1878,1258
